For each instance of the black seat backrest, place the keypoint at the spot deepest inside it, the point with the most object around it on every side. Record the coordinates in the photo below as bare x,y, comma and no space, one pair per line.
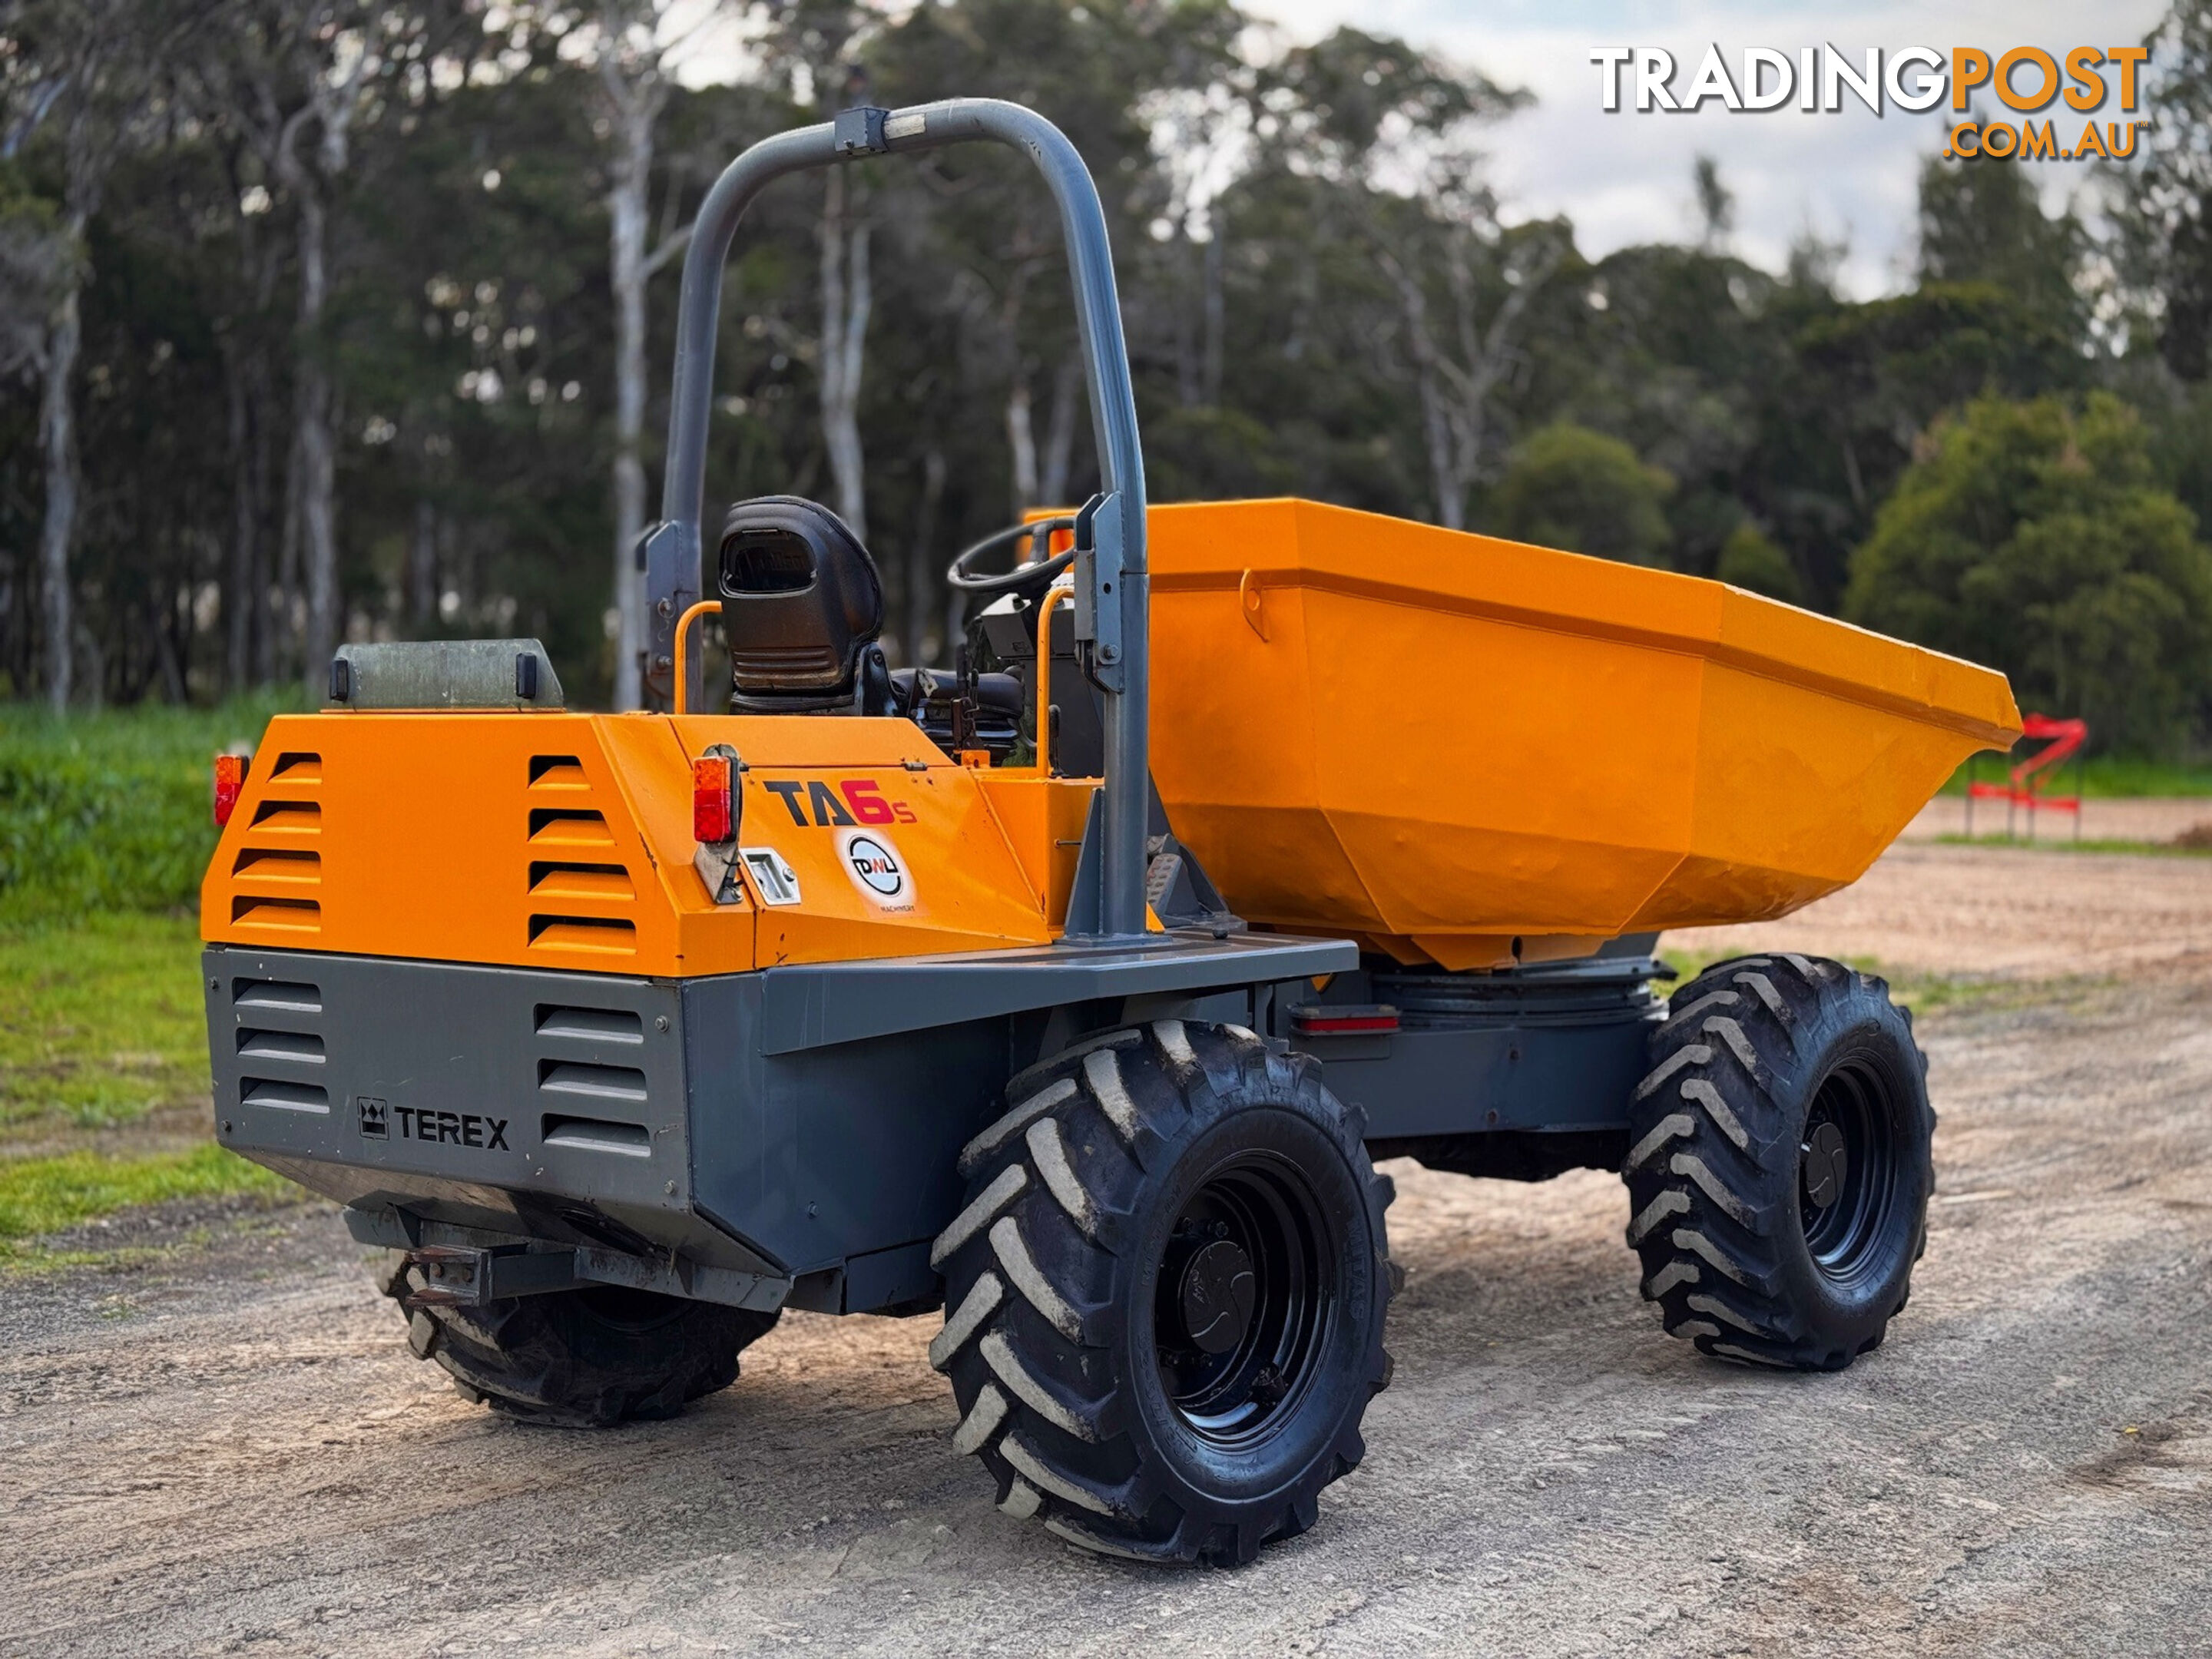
801,604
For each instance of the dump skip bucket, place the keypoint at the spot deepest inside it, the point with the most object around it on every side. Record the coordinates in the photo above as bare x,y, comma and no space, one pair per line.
1466,748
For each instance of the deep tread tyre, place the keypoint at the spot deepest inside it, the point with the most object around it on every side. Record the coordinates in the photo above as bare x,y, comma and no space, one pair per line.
1110,1373
1778,1164
582,1359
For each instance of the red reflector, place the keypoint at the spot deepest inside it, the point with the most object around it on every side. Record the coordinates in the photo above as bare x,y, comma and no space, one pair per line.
712,818
229,778
1317,1022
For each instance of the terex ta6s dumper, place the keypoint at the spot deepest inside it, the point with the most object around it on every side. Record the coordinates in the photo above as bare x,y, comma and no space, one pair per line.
1074,993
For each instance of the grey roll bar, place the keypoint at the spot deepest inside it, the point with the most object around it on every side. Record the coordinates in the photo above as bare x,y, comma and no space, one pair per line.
1112,587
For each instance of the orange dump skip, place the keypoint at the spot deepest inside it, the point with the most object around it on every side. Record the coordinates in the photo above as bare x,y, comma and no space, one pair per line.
1452,745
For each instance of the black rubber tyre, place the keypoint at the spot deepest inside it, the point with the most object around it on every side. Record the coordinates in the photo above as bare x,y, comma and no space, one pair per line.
582,1359
1779,1166
1165,1294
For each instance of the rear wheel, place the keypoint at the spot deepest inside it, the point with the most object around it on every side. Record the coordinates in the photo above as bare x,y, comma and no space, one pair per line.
1165,1294
584,1358
1779,1165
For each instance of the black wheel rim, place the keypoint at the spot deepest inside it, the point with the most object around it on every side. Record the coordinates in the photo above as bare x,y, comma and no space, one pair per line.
1236,1360
1847,1171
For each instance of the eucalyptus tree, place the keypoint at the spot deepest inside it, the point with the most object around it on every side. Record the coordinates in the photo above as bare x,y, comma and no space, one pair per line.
1391,131
1113,75
814,50
300,80
2162,196
86,78
636,50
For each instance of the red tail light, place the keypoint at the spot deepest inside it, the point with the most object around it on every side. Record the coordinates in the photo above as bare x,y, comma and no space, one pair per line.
1326,1019
229,778
713,814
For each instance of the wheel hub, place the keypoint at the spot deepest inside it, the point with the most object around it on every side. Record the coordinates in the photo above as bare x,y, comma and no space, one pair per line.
1849,1170
1216,1297
1242,1303
1825,1161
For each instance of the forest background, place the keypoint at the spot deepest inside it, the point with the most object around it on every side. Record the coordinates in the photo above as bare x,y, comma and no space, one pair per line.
322,320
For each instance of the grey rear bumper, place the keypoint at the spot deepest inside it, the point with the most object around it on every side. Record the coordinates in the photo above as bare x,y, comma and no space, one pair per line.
515,1103
752,1137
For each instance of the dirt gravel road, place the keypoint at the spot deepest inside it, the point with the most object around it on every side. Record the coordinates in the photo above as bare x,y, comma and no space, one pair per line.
236,1454
2006,911
2137,817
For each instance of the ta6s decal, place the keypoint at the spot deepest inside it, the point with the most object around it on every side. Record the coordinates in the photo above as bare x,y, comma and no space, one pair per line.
853,801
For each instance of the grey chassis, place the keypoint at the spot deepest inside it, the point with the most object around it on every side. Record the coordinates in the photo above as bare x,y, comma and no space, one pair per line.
789,1136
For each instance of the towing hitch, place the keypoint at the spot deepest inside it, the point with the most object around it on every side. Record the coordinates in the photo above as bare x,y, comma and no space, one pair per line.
461,1276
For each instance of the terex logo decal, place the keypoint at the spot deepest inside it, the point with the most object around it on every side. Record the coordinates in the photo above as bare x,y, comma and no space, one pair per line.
377,1118
440,1128
862,802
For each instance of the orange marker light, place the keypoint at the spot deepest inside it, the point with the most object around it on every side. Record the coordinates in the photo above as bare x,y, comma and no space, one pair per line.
713,813
229,778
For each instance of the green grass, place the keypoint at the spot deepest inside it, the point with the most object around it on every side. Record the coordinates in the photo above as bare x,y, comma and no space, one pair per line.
103,834
2103,777
100,1022
102,1025
40,1195
109,812
2065,844
1924,994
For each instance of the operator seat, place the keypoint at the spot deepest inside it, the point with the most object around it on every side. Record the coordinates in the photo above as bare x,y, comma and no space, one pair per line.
802,606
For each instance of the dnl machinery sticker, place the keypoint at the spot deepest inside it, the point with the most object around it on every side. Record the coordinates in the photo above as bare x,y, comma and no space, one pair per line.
876,869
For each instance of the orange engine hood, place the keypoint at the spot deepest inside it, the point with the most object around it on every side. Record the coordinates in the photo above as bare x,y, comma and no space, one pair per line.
564,840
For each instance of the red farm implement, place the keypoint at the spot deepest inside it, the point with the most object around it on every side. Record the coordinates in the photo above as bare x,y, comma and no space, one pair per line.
2026,782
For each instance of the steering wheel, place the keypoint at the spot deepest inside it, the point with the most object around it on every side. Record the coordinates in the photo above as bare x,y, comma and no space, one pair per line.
1027,581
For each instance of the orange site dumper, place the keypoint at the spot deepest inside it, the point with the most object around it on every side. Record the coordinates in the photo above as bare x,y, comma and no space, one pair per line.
1070,998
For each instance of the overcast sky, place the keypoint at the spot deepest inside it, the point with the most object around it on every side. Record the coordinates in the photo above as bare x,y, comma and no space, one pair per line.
1625,178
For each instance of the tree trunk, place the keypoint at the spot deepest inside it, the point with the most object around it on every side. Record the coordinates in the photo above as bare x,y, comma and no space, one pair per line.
848,296
627,208
284,648
1060,433
57,442
1021,439
1188,377
169,658
312,511
1211,369
1851,476
93,681
1436,430
422,566
319,540
1455,393
238,599
315,449
921,577
956,625
248,657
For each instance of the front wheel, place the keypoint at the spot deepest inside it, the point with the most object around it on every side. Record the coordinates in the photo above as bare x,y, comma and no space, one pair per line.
1779,1165
1165,1294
